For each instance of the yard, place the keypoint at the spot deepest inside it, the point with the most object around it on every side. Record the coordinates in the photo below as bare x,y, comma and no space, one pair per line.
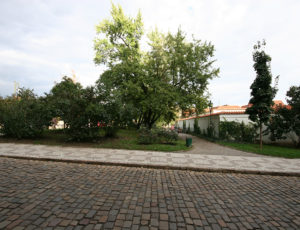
126,139
270,150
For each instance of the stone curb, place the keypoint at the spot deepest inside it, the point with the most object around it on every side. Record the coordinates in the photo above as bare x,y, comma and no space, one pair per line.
151,166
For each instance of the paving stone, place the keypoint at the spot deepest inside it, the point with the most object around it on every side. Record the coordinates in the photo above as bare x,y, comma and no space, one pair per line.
113,197
163,225
84,222
54,222
127,224
3,224
103,219
164,217
205,155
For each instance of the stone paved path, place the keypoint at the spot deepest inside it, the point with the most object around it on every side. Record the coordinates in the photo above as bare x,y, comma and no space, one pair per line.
201,146
155,159
56,195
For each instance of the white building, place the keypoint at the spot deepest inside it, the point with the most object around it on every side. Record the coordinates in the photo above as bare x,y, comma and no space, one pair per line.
224,113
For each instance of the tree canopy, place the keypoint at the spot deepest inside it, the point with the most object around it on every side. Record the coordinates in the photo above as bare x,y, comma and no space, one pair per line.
171,75
286,120
24,115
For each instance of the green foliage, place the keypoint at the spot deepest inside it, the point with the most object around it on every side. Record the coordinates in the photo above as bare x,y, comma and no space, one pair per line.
110,131
269,150
286,120
24,116
172,75
188,129
262,93
127,139
232,130
116,113
210,131
184,126
77,107
157,136
121,45
197,129
294,101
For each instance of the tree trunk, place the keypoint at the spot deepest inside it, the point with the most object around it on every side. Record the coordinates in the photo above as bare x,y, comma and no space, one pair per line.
260,136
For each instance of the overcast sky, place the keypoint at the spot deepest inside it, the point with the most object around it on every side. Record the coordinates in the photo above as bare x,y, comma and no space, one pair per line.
40,41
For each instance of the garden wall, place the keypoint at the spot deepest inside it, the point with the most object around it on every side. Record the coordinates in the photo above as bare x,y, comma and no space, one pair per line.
204,121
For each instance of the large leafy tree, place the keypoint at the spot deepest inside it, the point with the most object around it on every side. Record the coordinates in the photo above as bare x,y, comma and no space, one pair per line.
262,93
286,120
173,74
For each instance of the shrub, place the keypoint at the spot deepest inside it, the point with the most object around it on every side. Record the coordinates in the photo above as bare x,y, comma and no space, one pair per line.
157,136
166,136
236,131
110,131
184,126
197,130
210,131
81,109
147,136
189,129
24,116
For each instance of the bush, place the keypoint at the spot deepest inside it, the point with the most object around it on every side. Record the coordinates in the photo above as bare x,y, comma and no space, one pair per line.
197,130
147,136
157,136
81,109
110,131
236,131
24,116
184,126
188,129
166,136
210,131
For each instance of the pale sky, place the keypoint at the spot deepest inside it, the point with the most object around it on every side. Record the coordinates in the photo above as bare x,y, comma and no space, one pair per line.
40,41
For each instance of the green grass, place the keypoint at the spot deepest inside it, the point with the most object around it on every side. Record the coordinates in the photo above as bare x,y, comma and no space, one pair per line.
126,139
270,150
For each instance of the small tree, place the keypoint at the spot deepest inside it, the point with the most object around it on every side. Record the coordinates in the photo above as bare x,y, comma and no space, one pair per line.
287,118
262,93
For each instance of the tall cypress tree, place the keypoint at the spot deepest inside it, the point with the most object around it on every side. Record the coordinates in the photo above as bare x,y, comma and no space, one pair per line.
262,93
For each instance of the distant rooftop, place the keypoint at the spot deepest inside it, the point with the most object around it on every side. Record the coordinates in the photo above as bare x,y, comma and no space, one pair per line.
227,109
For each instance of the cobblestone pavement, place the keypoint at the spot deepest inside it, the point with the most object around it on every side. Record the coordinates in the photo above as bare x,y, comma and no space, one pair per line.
259,164
56,195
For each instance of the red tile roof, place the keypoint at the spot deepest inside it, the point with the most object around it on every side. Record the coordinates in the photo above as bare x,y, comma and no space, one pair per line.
277,103
213,114
228,107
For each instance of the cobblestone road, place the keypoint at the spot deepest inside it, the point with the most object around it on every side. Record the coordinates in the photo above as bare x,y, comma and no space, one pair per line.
54,195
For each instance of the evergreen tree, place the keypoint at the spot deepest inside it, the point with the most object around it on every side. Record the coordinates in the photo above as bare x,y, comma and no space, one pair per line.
262,93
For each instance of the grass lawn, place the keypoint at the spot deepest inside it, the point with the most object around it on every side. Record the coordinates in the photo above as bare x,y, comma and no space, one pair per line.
270,150
126,139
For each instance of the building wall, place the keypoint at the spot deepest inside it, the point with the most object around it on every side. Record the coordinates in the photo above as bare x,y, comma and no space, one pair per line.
235,117
203,123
